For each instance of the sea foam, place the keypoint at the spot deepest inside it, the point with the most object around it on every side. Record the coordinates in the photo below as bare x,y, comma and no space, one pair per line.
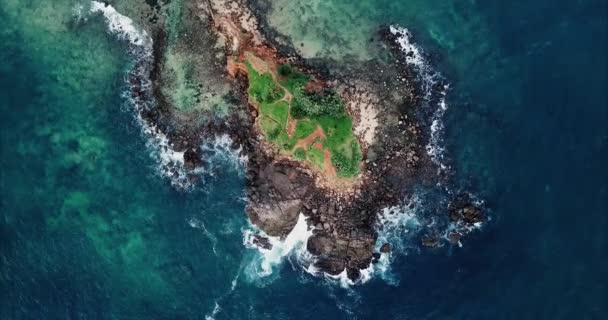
121,25
292,246
434,90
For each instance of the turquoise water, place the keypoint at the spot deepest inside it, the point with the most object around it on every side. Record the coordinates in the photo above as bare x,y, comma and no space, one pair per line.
90,230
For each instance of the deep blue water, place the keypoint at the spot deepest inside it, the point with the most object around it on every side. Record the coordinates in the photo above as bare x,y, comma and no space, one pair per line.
88,231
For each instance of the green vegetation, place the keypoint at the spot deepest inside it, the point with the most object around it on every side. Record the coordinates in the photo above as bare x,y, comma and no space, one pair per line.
292,79
277,111
304,128
300,154
347,166
315,156
309,105
323,109
262,87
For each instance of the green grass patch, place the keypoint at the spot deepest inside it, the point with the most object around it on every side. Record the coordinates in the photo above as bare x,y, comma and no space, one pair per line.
292,79
338,131
262,87
277,111
347,166
316,157
304,128
299,154
270,127
284,141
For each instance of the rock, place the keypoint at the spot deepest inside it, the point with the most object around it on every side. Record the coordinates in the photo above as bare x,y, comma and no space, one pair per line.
462,209
375,257
386,248
454,237
262,242
431,241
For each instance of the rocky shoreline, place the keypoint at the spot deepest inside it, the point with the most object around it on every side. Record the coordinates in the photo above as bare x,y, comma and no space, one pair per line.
280,189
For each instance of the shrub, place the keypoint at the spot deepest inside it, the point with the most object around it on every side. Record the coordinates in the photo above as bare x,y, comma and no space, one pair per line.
314,105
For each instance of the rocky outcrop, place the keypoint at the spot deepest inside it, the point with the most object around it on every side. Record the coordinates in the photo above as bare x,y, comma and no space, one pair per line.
463,210
277,192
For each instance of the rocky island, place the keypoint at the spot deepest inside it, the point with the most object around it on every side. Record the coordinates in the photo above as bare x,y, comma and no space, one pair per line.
337,143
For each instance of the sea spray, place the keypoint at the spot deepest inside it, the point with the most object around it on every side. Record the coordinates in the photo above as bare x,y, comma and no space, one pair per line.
122,26
218,152
293,245
434,90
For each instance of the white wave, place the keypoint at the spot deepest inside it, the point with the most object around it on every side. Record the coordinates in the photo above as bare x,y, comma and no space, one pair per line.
414,54
216,310
294,245
218,152
429,79
396,226
435,148
464,228
122,25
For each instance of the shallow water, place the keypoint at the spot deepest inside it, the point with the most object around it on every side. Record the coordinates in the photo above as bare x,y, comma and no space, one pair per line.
89,229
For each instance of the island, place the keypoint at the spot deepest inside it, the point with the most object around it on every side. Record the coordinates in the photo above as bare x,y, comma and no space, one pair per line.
335,142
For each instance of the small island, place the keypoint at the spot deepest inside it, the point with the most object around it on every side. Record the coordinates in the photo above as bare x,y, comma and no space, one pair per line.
339,144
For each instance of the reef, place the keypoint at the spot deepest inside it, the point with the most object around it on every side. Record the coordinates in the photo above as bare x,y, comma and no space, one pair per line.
337,142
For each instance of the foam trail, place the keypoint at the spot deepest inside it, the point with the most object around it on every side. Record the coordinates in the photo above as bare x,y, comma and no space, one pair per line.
294,244
431,83
198,224
216,310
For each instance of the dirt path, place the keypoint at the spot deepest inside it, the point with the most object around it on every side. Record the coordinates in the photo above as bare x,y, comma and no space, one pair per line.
303,143
291,126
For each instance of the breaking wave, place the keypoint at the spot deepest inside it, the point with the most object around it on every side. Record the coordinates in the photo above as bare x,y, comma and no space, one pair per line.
218,152
434,89
267,260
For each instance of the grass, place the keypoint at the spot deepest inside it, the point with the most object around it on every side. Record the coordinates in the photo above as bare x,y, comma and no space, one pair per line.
262,87
291,79
277,111
299,154
324,109
316,157
304,128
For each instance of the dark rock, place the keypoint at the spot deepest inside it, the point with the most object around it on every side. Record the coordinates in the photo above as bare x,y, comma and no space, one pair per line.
462,209
262,242
375,257
454,237
386,248
431,241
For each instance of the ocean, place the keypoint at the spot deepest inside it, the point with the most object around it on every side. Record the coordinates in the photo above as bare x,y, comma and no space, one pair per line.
91,228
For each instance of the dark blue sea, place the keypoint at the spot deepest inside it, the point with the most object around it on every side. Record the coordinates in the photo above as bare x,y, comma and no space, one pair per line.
89,228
